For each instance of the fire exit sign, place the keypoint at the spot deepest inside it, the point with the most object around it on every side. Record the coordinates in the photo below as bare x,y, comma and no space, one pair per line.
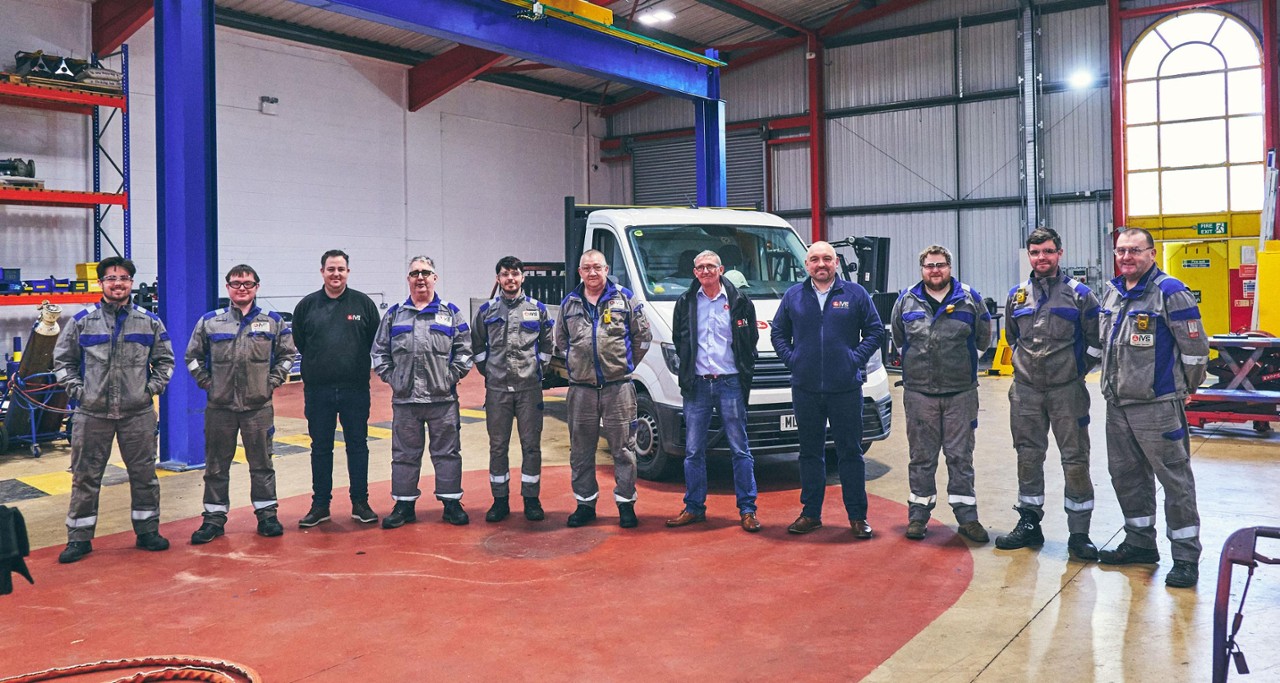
1219,228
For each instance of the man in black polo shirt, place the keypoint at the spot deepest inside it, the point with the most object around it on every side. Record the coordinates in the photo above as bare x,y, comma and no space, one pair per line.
334,329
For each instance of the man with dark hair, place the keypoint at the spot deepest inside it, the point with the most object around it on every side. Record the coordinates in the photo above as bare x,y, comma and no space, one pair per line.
715,339
333,329
1154,353
423,349
239,355
1053,331
511,337
942,327
113,358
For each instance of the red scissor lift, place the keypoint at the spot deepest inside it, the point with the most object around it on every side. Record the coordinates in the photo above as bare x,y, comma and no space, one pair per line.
1248,387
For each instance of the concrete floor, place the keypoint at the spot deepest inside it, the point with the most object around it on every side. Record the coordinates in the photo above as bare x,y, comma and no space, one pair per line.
1022,615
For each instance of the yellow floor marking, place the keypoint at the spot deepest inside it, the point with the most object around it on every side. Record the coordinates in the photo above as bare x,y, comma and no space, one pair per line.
303,440
380,432
548,399
467,412
167,473
53,483
240,457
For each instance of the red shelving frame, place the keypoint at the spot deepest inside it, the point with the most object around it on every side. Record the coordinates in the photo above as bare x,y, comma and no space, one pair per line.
57,99
36,298
63,198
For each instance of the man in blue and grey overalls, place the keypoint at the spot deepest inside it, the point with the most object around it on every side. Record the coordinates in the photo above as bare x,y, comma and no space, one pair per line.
239,355
1053,331
941,327
1155,352
113,358
602,333
512,337
423,349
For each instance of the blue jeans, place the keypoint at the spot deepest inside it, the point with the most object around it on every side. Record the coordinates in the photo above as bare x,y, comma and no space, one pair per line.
725,395
844,411
324,406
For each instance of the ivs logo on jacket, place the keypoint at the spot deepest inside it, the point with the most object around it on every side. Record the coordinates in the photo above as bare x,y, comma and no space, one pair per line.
741,322
839,304
355,317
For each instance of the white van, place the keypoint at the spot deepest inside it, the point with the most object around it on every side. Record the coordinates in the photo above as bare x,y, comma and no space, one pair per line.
650,251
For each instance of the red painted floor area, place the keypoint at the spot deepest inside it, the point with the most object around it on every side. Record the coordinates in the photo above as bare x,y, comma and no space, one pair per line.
517,601
288,400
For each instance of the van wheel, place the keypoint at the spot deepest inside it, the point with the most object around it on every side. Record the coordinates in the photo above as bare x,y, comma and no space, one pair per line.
652,462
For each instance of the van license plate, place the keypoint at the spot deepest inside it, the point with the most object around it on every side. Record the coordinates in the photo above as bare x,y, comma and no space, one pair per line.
788,423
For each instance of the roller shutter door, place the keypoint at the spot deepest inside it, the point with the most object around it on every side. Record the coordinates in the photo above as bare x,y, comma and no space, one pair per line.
664,172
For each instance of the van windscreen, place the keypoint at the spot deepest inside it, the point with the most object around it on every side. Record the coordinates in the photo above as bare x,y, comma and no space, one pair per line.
768,259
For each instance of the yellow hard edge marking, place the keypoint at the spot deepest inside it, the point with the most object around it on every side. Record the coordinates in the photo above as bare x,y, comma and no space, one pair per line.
53,483
620,33
380,432
467,412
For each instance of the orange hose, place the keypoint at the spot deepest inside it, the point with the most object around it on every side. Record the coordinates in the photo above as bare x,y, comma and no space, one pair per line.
176,668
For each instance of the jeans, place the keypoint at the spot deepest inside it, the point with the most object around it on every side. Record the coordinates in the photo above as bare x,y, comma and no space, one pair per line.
324,407
843,411
723,394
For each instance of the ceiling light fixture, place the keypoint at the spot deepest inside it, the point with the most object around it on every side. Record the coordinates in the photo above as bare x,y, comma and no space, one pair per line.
658,16
1080,80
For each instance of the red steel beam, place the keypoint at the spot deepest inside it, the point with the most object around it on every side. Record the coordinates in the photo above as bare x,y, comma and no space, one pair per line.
1118,195
841,23
1169,8
114,21
766,14
433,78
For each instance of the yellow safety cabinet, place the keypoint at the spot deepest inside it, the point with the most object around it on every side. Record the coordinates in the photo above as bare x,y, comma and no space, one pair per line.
1204,267
1267,293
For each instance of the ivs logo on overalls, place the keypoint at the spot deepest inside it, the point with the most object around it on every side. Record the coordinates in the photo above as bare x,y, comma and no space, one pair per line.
1142,339
260,326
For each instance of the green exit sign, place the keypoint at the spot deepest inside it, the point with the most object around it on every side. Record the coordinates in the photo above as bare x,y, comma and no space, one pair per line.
1219,228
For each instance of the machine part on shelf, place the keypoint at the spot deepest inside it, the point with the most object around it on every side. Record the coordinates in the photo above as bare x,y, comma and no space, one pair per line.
18,168
48,66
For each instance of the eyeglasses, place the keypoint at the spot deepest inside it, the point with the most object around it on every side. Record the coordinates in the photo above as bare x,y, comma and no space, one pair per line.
1125,251
339,270
118,278
593,268
242,285
421,273
935,266
706,268
1041,252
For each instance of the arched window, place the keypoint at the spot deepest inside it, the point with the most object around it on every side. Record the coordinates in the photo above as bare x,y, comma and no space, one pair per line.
1193,117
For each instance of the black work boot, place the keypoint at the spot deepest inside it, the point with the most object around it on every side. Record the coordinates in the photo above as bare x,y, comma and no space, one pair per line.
314,516
400,515
1026,532
454,514
207,532
498,511
1080,547
153,541
75,551
1129,554
1183,575
627,516
533,509
582,516
270,527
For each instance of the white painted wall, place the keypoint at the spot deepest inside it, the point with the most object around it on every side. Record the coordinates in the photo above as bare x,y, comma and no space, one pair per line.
478,174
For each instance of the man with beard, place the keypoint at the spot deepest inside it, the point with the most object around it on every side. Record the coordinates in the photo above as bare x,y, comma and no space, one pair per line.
1053,331
113,358
423,349
941,327
825,330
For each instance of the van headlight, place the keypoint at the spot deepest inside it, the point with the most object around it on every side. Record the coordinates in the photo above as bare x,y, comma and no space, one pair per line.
876,362
671,357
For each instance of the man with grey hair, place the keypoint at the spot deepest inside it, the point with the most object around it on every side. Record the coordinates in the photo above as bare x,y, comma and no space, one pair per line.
941,327
1155,352
602,334
423,349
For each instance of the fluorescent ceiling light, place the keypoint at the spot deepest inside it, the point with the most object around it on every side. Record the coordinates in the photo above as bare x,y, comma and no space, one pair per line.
1080,80
658,16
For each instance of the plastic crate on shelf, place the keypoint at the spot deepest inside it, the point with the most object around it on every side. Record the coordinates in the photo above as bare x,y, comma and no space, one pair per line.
11,275
79,286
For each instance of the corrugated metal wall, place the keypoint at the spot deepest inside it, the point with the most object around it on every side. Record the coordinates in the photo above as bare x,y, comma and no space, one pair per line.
988,251
988,54
909,233
937,10
989,149
880,159
789,179
896,70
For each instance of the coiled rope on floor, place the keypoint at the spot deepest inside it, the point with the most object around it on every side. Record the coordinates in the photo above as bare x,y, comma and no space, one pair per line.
176,668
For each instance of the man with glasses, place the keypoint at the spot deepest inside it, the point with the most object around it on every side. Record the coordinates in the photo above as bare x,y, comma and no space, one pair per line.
942,327
602,334
1154,353
715,340
239,355
1053,331
825,330
423,349
113,359
333,328
512,338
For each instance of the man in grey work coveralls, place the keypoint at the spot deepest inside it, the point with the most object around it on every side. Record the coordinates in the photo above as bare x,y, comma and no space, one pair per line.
1052,327
512,338
1154,352
941,327
239,355
113,358
423,349
602,334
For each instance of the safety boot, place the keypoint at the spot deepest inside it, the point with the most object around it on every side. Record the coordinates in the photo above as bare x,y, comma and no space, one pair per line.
1080,547
499,510
454,514
627,516
75,551
533,509
1026,532
270,527
207,532
1129,554
581,516
152,541
400,515
314,516
1183,575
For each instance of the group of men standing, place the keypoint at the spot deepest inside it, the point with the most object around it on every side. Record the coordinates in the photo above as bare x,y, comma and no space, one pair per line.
113,358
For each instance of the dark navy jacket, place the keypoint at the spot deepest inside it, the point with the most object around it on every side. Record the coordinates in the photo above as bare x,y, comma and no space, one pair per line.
827,349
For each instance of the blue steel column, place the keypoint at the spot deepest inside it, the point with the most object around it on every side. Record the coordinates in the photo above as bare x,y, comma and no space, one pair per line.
708,129
187,197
